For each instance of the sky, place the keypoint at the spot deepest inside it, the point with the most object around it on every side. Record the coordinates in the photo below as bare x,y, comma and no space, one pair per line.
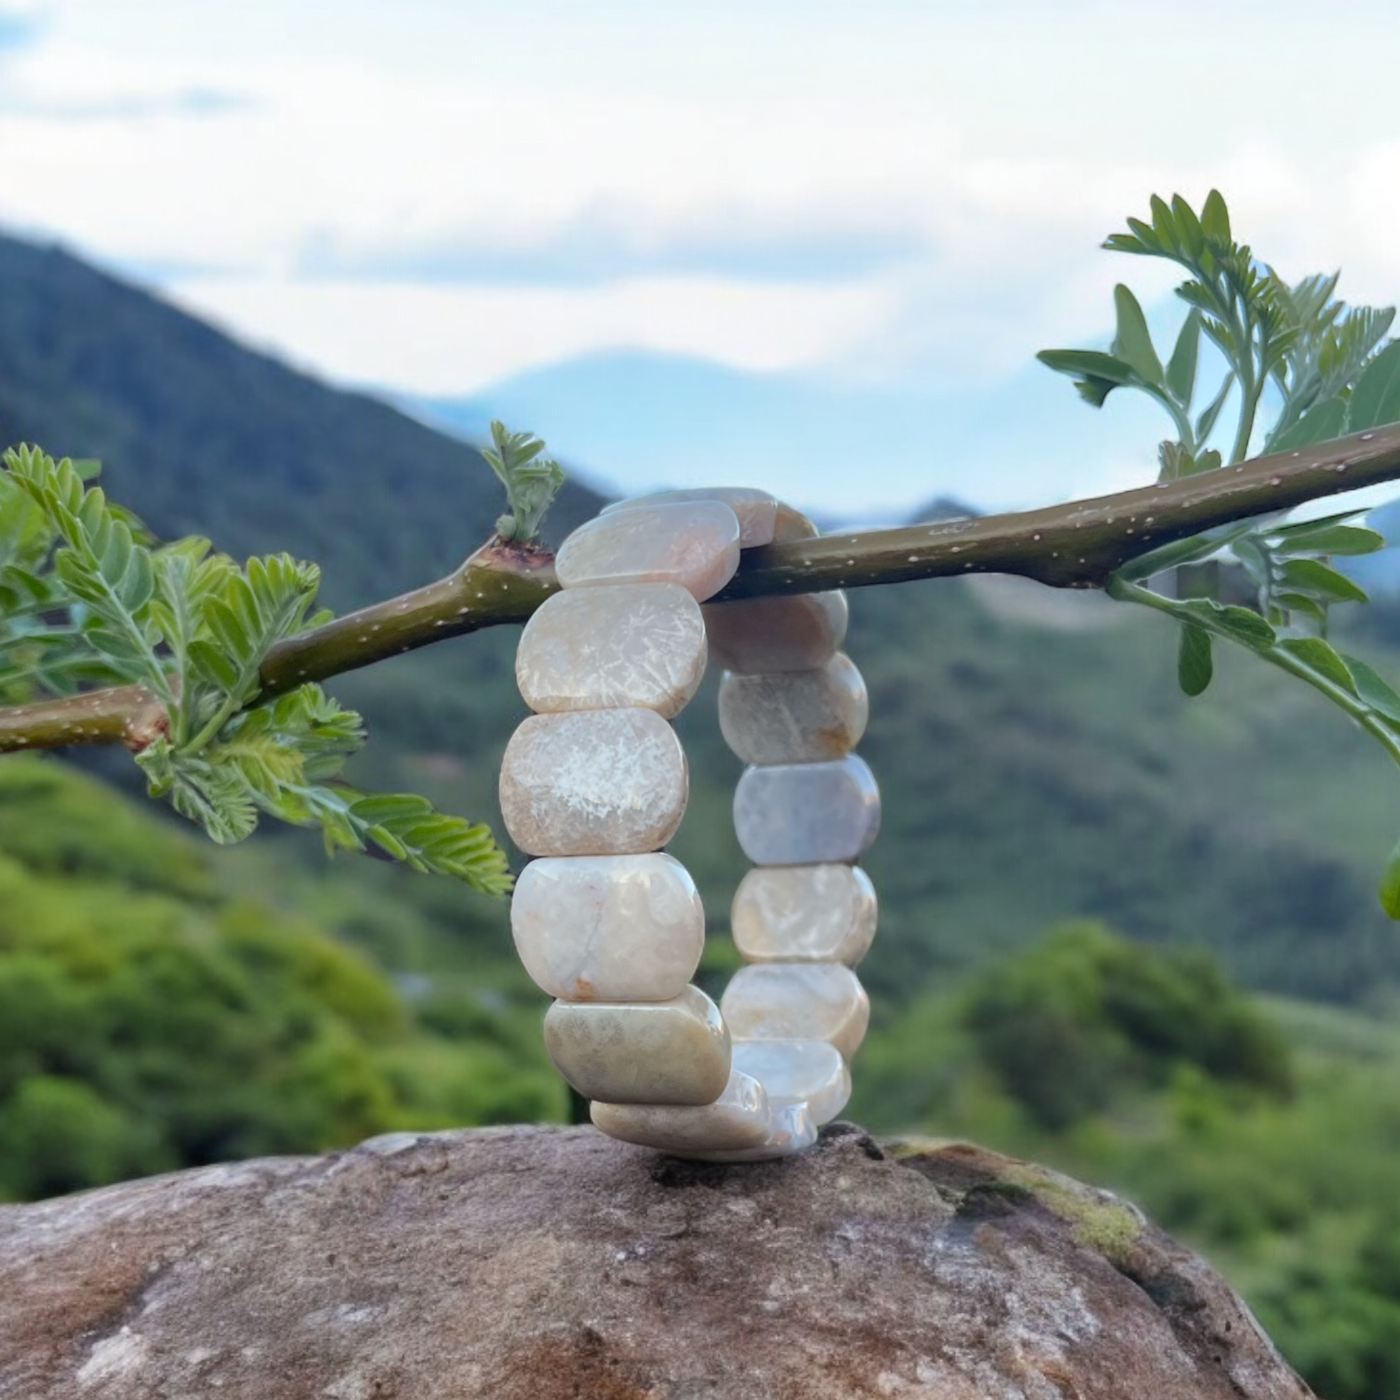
812,245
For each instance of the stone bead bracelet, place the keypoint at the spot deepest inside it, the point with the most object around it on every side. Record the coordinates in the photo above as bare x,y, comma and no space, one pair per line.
594,784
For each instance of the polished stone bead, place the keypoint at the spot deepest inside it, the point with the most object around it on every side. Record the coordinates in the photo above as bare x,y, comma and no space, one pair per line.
794,1130
804,913
797,1001
756,510
795,632
593,783
602,648
739,1119
695,545
661,1052
794,716
798,1071
807,813
608,928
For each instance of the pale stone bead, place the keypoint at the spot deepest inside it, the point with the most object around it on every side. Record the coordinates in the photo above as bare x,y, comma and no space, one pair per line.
804,913
807,813
798,1071
756,510
739,1119
695,545
601,648
797,1001
794,1130
661,1052
593,783
796,632
794,716
608,928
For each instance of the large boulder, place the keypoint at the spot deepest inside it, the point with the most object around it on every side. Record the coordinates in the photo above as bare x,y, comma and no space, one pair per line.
542,1263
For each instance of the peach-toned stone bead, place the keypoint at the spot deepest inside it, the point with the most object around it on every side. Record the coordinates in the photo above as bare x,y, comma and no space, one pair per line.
739,1119
608,928
601,648
593,783
797,1001
794,716
807,813
790,525
660,1052
796,632
804,913
695,545
798,1071
794,1130
756,510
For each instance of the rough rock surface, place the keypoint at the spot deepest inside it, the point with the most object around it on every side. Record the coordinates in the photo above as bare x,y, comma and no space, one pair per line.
544,1263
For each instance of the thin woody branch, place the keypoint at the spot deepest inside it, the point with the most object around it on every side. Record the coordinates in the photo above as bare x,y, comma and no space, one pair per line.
1078,545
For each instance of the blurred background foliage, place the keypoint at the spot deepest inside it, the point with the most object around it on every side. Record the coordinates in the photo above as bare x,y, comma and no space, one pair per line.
1127,934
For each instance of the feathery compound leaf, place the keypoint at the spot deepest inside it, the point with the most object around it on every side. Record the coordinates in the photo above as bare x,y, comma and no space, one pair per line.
531,480
408,827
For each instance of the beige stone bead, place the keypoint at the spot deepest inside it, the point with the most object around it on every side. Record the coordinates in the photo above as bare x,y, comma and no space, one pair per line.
794,716
661,1052
694,544
807,813
739,1119
593,783
798,1071
606,647
794,1130
756,510
608,928
804,913
797,1001
795,632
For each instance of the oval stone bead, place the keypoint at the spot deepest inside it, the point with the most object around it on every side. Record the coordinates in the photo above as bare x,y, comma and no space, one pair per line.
606,647
807,813
804,913
593,783
794,716
739,1119
798,1071
797,632
608,928
664,1052
755,510
695,545
794,1130
797,1001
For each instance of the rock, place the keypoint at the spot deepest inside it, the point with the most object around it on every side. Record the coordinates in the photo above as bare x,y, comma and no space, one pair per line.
543,1263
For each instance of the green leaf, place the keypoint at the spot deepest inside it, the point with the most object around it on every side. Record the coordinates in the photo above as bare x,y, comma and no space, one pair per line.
1374,689
1330,539
1321,423
1321,657
1193,666
1389,891
1215,218
1376,398
1303,603
1314,577
1096,375
1133,342
1205,424
1181,368
1188,227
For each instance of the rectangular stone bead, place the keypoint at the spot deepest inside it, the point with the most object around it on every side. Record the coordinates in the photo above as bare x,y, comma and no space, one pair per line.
607,647
593,783
608,928
807,813
666,1052
739,1119
798,1071
695,545
795,632
804,913
797,1001
756,510
794,1130
794,716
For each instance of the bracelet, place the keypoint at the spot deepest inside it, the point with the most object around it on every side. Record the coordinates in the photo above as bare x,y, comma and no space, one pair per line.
594,785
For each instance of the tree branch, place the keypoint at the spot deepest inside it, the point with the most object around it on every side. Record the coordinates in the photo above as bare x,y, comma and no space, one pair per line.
1078,545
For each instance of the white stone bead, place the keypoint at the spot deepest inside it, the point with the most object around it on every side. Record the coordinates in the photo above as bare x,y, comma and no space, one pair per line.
593,783
804,913
797,1001
695,545
794,1130
661,1052
798,1071
795,632
807,813
608,928
794,716
739,1119
607,647
756,510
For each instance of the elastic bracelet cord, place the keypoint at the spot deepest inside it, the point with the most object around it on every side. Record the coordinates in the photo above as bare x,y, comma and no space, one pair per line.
594,785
